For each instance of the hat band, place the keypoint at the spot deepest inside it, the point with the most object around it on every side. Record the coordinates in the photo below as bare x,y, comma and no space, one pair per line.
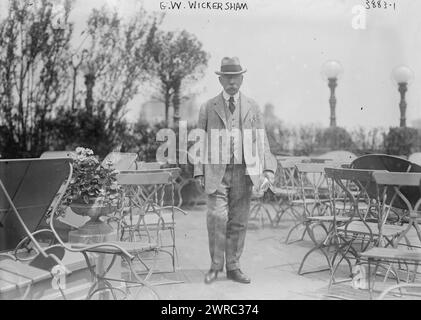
231,68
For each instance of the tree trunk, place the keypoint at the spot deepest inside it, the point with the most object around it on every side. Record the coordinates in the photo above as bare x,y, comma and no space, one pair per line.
74,88
90,83
167,106
176,104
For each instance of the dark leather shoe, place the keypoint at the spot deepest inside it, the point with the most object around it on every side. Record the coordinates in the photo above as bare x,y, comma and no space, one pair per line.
238,276
211,276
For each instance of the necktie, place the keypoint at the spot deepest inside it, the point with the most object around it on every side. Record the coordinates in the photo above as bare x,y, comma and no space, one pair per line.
231,104
234,147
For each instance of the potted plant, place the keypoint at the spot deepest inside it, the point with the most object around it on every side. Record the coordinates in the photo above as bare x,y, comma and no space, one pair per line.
93,190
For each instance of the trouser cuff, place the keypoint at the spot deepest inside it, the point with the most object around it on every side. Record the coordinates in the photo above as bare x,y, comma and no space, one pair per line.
233,266
216,267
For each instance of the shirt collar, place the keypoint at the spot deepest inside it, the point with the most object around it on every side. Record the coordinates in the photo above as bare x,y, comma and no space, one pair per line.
227,96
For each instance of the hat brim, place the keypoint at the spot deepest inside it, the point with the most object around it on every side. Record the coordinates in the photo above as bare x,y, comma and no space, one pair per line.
219,73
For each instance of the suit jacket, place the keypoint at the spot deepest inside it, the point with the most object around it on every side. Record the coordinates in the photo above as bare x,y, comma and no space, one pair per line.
213,116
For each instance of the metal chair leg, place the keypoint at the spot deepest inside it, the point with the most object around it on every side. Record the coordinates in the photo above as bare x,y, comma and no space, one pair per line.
138,281
398,286
308,254
290,232
318,246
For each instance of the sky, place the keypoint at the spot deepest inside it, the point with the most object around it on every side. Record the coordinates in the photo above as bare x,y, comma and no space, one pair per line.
283,45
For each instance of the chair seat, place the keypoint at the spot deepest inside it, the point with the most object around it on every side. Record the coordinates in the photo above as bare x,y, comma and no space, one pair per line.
15,275
130,247
327,218
257,195
309,201
393,254
284,191
360,228
323,192
342,205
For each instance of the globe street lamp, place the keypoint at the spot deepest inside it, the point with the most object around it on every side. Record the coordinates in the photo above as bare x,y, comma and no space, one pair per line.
402,75
331,70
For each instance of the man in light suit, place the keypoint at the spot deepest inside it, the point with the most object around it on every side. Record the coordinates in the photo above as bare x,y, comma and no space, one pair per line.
229,181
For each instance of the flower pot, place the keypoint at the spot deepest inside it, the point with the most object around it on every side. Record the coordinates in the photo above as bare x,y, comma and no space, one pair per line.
94,209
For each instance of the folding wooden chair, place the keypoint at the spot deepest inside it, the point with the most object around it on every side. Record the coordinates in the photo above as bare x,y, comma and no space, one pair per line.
145,191
397,189
391,164
286,190
24,203
177,179
287,187
317,194
350,207
368,225
313,199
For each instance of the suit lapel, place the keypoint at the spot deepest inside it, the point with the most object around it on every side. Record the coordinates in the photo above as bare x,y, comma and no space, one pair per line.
220,109
245,108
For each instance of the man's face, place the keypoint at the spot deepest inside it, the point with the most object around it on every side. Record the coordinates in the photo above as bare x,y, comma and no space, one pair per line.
231,83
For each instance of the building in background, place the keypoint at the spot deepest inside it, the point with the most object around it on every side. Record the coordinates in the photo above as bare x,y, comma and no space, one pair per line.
153,111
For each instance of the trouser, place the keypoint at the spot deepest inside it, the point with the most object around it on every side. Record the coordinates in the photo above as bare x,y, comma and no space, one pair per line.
227,218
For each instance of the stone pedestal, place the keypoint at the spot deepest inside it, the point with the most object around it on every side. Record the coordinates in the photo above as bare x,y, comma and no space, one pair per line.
97,232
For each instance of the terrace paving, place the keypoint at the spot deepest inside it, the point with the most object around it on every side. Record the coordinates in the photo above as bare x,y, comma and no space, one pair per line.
271,264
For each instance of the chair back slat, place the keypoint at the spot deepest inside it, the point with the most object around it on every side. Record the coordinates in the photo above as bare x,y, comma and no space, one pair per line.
350,174
391,164
150,166
57,154
315,167
290,158
121,161
397,178
316,160
385,162
402,189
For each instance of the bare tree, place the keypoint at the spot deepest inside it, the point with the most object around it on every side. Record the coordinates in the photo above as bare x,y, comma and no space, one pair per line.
114,61
178,59
33,73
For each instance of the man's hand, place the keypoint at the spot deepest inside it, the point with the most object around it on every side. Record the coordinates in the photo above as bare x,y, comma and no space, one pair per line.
267,181
201,181
270,176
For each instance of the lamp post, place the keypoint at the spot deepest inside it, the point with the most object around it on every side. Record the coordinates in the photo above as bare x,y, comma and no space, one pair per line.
331,70
402,75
